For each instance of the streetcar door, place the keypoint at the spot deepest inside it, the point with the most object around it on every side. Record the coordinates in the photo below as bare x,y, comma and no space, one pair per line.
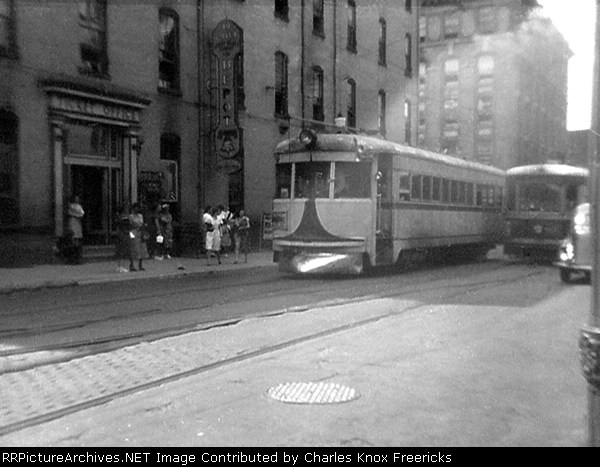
383,233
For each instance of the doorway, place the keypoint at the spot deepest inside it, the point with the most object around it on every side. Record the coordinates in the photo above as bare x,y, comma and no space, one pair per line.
99,189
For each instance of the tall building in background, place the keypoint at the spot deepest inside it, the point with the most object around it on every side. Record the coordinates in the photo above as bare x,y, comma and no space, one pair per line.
182,102
492,82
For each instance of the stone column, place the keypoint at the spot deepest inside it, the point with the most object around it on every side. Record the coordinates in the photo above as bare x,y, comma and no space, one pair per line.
57,131
132,147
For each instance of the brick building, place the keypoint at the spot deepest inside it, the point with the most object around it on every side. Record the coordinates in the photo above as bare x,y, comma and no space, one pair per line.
181,101
296,64
492,82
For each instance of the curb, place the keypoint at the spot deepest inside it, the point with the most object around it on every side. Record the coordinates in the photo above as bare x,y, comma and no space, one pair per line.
4,290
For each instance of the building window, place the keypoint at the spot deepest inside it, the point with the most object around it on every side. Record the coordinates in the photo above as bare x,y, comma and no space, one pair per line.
408,55
487,20
7,28
381,112
92,19
317,94
281,84
452,25
351,103
407,122
168,54
422,29
408,5
170,154
484,119
318,18
9,175
434,28
281,9
382,41
351,12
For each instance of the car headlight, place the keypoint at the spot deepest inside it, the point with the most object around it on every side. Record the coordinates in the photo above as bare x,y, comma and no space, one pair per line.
567,252
581,223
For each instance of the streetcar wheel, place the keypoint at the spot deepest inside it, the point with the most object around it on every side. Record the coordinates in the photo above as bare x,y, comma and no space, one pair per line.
565,275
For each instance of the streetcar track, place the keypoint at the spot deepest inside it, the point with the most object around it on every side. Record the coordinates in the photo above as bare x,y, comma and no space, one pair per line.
250,354
78,407
125,299
108,343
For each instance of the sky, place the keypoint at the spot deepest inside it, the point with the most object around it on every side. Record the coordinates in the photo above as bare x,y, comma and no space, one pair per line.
577,26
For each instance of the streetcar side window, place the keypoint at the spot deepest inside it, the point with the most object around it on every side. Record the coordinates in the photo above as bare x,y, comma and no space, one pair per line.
453,191
352,180
436,194
498,197
283,180
511,201
469,194
404,186
312,177
416,187
427,188
462,193
445,190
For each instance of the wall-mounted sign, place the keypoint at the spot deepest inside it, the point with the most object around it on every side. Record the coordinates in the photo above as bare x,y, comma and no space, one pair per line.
228,166
96,108
227,40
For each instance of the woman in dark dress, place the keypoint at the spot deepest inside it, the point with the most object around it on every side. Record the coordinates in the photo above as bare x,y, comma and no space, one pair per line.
136,227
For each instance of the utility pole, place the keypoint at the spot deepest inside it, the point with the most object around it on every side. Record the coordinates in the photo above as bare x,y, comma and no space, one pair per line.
589,341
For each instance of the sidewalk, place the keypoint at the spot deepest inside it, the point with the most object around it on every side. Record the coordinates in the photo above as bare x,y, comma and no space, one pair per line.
62,275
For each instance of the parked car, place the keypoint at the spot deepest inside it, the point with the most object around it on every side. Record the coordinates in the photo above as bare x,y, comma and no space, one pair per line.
575,251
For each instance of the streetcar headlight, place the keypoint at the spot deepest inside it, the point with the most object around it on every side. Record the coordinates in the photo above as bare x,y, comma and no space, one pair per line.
308,138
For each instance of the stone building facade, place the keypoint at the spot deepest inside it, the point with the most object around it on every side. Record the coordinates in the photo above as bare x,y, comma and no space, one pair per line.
492,82
181,102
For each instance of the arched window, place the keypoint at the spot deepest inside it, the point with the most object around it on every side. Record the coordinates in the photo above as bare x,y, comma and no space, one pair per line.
281,84
381,112
318,17
92,19
317,94
407,122
9,165
351,11
7,28
407,55
281,9
170,154
168,53
351,103
382,42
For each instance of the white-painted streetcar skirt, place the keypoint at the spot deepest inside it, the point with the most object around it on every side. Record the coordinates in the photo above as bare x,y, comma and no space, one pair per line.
312,393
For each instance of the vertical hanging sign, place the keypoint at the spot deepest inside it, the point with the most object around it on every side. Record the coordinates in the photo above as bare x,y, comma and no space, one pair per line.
227,43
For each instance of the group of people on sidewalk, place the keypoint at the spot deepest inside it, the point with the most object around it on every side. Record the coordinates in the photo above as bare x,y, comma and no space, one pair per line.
220,229
224,229
133,234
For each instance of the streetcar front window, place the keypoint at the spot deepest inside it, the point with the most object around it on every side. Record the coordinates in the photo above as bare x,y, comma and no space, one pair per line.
352,180
283,180
539,197
312,176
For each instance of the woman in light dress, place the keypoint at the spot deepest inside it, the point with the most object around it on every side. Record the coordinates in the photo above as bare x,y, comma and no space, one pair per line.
213,236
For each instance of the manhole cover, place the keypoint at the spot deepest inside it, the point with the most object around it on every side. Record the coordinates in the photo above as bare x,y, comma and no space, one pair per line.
312,393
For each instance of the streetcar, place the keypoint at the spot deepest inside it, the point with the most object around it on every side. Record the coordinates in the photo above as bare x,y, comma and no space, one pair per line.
539,201
348,202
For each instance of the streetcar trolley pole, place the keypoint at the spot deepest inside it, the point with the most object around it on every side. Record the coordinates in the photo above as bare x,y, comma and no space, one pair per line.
589,340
